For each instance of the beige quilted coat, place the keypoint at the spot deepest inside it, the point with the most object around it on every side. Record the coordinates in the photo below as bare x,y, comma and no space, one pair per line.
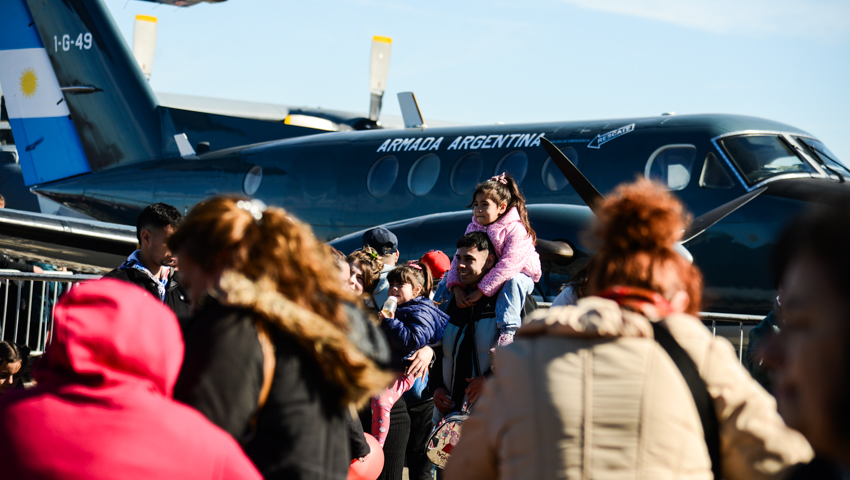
586,392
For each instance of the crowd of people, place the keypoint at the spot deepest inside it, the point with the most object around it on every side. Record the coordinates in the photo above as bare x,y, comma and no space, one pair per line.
234,344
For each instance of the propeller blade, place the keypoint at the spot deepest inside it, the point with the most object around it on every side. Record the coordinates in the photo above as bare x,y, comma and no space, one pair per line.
580,183
706,220
144,43
379,71
684,252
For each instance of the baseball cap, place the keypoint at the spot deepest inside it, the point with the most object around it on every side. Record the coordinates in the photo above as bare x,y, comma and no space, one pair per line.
438,263
382,240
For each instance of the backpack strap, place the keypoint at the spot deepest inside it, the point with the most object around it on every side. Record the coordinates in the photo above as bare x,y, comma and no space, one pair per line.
269,363
704,403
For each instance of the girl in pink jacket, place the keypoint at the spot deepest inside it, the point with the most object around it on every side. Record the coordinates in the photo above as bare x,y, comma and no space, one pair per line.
498,208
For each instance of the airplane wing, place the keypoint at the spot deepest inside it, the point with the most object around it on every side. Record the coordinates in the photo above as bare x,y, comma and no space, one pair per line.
81,245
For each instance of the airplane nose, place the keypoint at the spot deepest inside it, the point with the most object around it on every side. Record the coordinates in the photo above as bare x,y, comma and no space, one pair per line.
814,190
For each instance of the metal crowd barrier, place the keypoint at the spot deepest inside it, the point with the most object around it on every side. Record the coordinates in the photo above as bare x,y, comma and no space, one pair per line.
734,327
28,301
730,324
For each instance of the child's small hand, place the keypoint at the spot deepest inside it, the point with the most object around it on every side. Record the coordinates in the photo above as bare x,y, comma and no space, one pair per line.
460,297
383,316
474,296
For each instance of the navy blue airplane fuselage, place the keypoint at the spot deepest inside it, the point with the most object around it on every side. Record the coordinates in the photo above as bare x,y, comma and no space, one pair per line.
342,182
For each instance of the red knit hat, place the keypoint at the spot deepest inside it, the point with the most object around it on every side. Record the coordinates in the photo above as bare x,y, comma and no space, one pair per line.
438,263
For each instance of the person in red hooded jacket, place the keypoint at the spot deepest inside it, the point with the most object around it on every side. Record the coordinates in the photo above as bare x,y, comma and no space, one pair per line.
103,408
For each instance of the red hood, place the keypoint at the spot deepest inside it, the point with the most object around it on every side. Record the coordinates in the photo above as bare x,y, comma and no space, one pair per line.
108,332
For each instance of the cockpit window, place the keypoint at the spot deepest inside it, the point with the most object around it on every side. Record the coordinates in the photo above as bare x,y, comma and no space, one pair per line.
822,154
713,174
759,157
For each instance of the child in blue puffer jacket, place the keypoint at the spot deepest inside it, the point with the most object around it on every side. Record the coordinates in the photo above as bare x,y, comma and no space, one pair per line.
416,322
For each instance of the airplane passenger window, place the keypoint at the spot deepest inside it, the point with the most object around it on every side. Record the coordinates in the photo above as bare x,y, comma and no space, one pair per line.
466,173
713,174
423,175
671,165
553,178
382,176
515,164
252,180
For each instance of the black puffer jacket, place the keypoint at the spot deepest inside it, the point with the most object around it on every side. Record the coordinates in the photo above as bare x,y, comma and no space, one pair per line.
301,432
175,297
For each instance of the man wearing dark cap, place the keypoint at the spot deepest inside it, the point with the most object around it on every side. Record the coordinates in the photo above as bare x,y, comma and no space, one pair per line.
386,244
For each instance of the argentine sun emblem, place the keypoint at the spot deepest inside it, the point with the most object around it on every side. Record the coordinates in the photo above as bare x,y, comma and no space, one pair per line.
29,82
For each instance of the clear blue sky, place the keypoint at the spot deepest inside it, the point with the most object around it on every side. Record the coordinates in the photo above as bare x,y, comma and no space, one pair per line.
482,62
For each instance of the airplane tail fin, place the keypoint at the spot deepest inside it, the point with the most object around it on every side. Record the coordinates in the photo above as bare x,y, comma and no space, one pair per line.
116,114
48,145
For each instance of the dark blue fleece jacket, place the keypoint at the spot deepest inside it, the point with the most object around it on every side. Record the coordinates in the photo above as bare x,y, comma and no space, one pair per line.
417,323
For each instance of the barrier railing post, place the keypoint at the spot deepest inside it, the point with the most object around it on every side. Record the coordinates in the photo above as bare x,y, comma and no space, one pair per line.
741,342
41,320
49,333
29,314
17,314
5,309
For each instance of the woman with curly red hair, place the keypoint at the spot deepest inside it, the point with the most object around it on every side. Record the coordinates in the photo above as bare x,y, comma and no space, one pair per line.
628,383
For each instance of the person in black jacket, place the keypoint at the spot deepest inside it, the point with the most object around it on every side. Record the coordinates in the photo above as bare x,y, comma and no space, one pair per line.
268,353
153,266
472,332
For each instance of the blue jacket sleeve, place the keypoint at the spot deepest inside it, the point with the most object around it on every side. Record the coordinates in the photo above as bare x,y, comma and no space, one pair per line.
409,337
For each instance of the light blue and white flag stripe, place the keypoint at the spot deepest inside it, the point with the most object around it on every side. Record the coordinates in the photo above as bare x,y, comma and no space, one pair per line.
29,85
48,145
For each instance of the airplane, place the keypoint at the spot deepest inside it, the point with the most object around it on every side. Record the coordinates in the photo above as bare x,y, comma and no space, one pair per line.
134,154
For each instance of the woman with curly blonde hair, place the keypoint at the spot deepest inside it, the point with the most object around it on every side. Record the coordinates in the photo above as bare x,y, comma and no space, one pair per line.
366,266
628,383
268,357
